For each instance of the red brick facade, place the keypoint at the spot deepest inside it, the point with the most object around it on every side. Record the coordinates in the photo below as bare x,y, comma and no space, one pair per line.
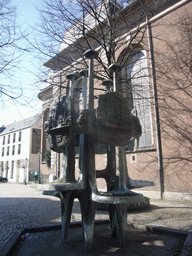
172,54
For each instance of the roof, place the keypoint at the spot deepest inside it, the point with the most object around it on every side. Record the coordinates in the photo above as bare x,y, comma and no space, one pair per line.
2,128
20,125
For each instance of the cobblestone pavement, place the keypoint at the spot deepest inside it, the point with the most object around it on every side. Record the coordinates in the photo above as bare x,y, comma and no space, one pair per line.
23,206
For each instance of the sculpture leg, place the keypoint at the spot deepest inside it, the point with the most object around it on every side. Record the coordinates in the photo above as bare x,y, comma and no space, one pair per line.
89,226
113,220
66,210
87,205
110,178
122,221
88,209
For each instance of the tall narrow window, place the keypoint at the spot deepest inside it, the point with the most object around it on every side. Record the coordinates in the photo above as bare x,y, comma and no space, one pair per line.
136,88
3,140
19,136
8,151
14,136
8,139
6,168
3,151
36,141
2,168
12,169
13,150
44,144
19,149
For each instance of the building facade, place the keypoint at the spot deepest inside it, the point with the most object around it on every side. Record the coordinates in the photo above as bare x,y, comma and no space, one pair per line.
156,80
20,149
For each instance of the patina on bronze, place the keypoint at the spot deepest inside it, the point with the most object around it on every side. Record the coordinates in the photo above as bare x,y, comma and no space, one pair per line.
112,124
59,123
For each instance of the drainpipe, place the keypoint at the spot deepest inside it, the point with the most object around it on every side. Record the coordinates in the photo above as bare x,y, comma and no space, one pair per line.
157,119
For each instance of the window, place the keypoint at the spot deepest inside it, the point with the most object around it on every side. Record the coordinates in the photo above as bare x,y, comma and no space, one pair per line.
12,169
14,136
136,89
3,151
8,139
44,136
18,164
19,149
3,140
8,151
2,167
6,168
19,136
36,141
13,150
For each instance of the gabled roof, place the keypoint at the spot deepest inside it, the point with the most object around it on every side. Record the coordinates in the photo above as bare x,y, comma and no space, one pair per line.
20,125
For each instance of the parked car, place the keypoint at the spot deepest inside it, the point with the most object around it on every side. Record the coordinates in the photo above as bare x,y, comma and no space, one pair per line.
3,179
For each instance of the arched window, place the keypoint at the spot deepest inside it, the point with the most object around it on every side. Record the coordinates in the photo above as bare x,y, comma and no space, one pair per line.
136,89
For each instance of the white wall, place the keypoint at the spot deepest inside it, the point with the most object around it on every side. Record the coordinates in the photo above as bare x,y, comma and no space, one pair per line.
20,172
24,153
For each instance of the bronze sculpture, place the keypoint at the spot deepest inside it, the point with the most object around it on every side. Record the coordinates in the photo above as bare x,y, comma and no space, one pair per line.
111,124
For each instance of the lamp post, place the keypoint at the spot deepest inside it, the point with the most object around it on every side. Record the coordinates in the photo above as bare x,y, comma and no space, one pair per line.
39,154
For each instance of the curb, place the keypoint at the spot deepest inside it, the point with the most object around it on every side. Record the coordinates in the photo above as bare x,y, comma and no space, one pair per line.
187,247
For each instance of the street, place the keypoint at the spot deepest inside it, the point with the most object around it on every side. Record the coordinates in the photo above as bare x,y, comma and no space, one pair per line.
23,206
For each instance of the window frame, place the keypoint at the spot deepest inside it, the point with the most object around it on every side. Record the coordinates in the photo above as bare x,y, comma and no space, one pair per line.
147,134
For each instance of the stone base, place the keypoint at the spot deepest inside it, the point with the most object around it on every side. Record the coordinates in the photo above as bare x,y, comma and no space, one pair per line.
149,241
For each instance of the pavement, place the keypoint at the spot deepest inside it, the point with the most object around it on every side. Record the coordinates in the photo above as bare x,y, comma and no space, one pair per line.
163,229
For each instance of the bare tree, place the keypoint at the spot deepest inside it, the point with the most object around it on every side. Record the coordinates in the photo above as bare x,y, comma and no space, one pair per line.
69,28
10,52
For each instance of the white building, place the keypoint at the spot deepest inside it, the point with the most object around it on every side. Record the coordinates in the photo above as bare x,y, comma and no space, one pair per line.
20,145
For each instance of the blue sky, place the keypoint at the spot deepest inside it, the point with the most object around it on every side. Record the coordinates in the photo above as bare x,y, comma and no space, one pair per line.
27,15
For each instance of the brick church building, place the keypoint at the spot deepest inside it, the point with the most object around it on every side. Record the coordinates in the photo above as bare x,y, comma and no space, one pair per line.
153,45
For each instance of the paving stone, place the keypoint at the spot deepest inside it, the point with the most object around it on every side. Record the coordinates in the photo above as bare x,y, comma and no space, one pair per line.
23,206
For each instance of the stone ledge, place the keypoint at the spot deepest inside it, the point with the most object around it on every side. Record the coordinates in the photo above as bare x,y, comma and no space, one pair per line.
176,196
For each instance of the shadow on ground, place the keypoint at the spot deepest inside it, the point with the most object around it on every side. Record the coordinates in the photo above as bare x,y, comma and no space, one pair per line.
139,242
